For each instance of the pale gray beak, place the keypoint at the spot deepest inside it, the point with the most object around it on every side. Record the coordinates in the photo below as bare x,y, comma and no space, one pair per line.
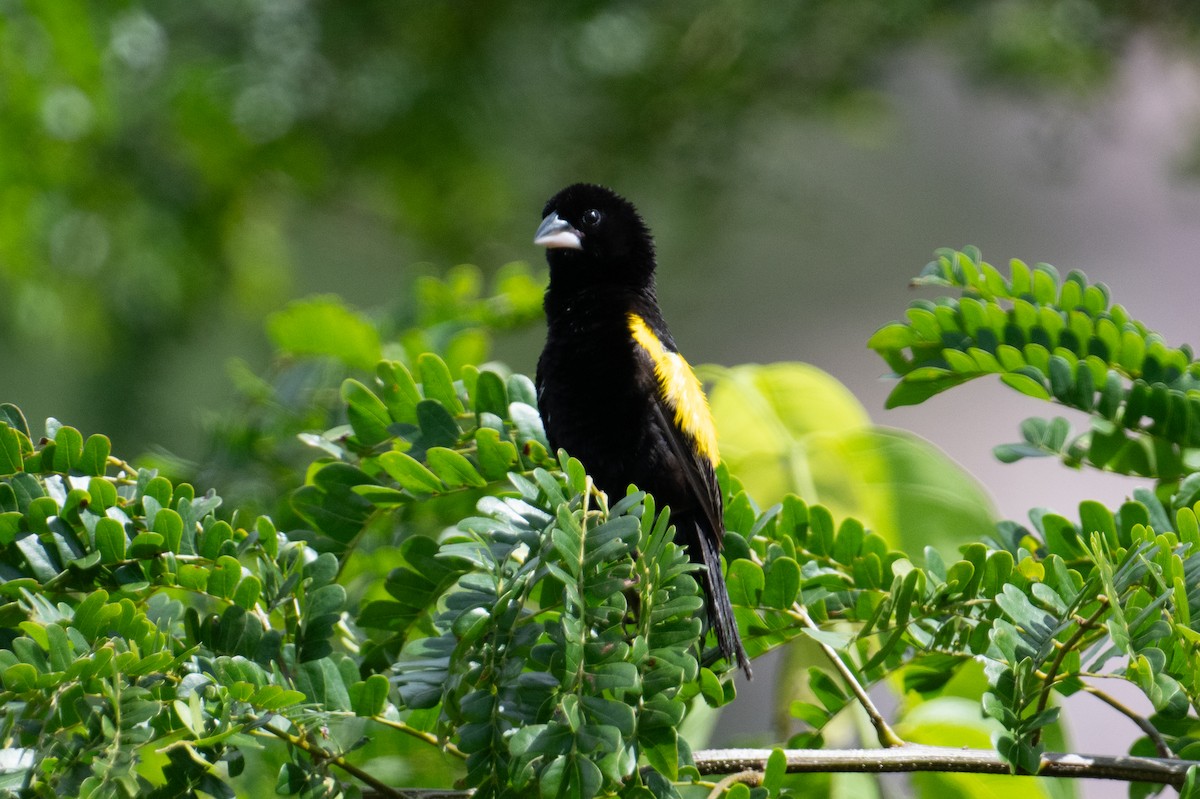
555,232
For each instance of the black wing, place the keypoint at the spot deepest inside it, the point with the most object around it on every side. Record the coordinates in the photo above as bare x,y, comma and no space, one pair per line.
695,499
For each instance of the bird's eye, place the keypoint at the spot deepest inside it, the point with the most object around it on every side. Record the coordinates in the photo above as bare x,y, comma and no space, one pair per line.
591,218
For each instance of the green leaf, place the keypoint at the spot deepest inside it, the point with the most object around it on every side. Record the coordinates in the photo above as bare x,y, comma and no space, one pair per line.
10,525
1191,784
710,688
169,525
570,777
409,473
453,469
324,326
775,771
322,683
369,697
745,582
437,383
521,389
1026,383
398,391
910,492
19,678
11,416
327,600
68,450
94,460
11,456
110,540
781,584
528,423
894,336
490,395
831,638
496,456
247,592
338,513
367,414
42,561
224,577
438,428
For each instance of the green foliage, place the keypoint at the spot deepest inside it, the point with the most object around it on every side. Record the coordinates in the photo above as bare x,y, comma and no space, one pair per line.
172,154
1069,597
139,628
1053,339
789,428
450,587
257,455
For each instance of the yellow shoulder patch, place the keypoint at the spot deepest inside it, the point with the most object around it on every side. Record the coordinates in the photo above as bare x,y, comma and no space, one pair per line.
679,389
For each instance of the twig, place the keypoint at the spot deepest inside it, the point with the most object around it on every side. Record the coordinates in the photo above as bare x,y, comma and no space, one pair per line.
914,757
1052,672
751,777
379,787
887,736
1143,723
420,735
130,470
909,758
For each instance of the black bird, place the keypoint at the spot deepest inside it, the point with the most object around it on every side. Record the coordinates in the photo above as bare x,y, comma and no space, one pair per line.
612,387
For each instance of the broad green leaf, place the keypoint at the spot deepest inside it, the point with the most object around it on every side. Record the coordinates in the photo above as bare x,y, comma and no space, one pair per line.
224,577
369,697
338,513
496,456
954,721
453,469
490,395
1026,384
10,525
437,383
322,682
781,584
169,525
110,540
904,489
324,326
745,583
398,391
775,771
12,416
247,592
94,460
409,473
438,428
528,423
68,450
11,456
367,414
521,389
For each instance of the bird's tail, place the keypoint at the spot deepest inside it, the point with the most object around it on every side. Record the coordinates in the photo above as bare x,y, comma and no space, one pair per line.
720,609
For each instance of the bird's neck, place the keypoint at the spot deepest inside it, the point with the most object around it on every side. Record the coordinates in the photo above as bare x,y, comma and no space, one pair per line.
584,306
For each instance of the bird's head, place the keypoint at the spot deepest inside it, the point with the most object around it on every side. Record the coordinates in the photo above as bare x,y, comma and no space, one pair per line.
593,236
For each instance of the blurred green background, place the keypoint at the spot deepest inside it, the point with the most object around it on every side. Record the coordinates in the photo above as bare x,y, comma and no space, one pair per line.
173,173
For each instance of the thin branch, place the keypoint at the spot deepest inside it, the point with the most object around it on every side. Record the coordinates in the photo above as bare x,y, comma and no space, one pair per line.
1070,644
887,736
1143,723
420,735
913,757
908,758
751,777
130,470
379,788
